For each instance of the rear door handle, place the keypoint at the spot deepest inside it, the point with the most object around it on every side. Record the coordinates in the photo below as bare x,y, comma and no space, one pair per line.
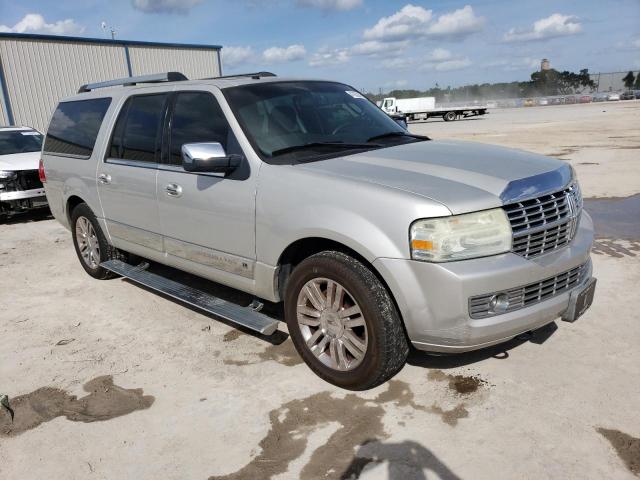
104,178
173,190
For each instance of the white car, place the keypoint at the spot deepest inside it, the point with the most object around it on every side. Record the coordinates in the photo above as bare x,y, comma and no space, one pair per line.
20,185
613,97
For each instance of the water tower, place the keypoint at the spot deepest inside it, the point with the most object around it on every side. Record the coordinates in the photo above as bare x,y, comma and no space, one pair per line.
545,64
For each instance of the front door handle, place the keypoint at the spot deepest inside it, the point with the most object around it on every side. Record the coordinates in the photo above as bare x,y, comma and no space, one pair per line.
104,178
173,190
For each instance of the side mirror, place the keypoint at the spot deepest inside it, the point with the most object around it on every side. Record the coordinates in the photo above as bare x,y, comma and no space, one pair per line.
208,157
400,120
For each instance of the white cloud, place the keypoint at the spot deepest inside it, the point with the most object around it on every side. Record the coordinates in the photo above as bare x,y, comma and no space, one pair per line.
327,57
439,59
371,48
442,60
331,4
449,65
164,6
232,56
512,64
460,22
556,25
415,22
287,54
375,47
34,22
440,55
409,20
399,63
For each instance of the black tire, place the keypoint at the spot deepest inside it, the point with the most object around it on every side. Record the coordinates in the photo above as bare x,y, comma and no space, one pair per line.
449,116
387,346
106,251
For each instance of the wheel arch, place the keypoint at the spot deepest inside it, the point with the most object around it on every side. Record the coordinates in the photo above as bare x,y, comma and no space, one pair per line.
72,202
303,248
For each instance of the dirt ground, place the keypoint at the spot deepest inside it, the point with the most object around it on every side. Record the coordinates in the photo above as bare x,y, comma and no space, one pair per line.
108,380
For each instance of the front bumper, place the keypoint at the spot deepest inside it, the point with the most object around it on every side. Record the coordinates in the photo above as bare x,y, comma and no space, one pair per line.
433,298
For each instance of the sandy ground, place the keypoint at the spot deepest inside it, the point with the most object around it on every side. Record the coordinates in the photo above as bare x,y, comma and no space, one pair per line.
108,380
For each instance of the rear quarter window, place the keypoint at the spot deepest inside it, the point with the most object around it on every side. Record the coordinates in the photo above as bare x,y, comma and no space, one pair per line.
74,127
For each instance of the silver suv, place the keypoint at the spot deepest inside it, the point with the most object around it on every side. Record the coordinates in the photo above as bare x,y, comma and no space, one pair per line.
304,192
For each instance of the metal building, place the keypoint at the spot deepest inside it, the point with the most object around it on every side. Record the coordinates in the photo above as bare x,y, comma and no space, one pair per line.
36,71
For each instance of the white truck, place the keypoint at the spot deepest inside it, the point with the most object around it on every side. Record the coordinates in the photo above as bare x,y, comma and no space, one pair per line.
422,108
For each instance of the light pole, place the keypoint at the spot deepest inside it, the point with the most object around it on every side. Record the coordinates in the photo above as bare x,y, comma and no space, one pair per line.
104,27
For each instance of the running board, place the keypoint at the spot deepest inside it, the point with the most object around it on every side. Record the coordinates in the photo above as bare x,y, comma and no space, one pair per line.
248,317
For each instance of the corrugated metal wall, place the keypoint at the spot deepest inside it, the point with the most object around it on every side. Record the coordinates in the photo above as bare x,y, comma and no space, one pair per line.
3,120
40,72
193,63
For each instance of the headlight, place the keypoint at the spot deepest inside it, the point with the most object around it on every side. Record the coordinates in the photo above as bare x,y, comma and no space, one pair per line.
471,235
7,175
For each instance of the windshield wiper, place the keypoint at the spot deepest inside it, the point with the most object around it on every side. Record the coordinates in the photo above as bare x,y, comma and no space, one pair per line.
340,145
398,134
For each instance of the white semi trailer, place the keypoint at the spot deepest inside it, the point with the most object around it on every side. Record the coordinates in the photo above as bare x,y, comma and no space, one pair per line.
422,108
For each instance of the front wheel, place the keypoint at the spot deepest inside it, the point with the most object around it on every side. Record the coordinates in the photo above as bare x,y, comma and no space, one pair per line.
343,322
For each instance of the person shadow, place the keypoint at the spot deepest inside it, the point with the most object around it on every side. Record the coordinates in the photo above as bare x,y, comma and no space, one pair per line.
406,460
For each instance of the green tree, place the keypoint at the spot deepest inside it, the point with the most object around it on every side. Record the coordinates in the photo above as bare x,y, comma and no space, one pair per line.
637,84
628,80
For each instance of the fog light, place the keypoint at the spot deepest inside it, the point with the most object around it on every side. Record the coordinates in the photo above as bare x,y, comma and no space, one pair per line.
499,303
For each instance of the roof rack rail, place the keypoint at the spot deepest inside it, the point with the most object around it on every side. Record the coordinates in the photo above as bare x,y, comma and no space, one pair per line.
129,81
255,75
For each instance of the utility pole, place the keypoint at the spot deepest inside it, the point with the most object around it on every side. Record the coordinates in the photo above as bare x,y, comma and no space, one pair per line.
104,27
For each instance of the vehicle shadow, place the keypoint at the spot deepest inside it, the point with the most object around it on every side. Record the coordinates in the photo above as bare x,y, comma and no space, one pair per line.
407,460
500,352
36,215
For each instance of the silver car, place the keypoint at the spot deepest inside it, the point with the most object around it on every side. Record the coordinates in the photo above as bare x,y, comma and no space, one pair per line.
304,192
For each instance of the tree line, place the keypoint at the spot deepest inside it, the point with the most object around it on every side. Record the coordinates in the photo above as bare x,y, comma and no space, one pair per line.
542,83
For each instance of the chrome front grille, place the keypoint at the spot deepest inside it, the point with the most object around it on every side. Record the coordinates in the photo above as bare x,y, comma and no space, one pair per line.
545,223
521,297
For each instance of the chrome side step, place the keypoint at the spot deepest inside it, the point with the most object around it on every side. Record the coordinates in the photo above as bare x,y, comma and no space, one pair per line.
248,317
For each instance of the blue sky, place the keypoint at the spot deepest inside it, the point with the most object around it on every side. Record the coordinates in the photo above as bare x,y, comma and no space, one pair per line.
368,43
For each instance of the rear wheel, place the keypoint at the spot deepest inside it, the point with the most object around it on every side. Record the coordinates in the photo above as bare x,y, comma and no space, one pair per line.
90,243
449,116
343,322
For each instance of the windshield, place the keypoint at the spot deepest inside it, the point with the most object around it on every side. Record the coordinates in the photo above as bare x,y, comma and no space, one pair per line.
301,121
20,141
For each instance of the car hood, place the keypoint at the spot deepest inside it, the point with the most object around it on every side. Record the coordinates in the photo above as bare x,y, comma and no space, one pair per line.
20,161
464,176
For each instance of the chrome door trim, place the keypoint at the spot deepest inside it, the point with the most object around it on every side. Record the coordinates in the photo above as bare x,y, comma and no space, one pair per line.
226,262
178,169
135,235
132,163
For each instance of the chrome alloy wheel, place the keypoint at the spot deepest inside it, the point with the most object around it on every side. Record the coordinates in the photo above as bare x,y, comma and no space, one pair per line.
87,241
332,324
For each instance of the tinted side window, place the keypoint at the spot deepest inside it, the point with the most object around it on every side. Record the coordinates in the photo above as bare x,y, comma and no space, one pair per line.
74,127
197,117
136,135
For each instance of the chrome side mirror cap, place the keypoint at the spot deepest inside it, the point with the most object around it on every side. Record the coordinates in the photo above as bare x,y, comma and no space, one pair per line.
208,157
